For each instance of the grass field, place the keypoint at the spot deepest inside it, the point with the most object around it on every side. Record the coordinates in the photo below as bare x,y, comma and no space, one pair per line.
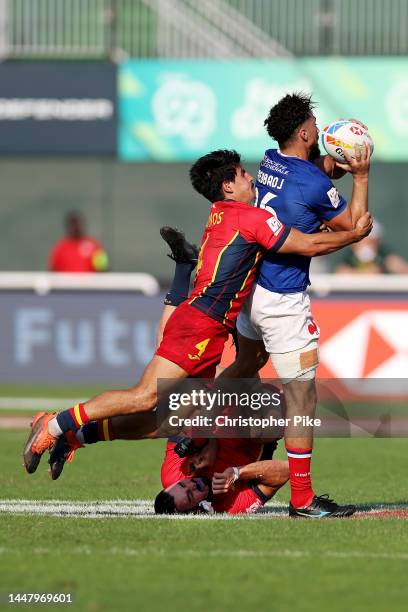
269,562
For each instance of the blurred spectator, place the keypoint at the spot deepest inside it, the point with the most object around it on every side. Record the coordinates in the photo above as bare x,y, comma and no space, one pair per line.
371,256
77,252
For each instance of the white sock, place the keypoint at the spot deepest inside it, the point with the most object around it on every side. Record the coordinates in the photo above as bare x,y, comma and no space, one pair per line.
80,436
53,428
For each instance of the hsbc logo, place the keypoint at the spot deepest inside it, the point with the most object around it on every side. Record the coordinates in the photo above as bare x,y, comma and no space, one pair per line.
373,345
356,130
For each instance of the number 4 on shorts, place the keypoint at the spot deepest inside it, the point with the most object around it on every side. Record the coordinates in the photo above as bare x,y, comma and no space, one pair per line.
200,346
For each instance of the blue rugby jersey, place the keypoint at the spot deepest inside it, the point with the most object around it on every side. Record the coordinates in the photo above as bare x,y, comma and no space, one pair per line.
302,196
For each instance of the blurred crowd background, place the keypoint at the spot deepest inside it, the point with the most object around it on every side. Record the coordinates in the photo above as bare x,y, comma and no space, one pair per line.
105,103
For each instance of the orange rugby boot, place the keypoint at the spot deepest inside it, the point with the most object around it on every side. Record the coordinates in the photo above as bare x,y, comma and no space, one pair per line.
38,441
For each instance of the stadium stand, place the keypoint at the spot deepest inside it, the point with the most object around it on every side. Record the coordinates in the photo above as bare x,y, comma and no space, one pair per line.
209,28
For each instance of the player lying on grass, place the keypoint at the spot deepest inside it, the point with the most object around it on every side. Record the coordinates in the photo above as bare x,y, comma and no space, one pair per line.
234,476
195,334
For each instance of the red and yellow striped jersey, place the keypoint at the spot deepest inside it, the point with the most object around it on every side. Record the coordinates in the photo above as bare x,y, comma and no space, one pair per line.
231,247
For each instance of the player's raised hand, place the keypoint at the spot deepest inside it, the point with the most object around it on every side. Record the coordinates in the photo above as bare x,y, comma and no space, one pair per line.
222,482
364,225
359,165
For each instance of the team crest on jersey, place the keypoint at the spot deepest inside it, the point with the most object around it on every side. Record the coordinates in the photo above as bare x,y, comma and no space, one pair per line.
274,224
334,197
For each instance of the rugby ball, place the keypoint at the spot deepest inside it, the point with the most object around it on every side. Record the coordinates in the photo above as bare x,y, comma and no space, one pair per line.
342,135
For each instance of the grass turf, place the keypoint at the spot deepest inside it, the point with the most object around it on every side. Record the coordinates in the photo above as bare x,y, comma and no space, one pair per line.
144,564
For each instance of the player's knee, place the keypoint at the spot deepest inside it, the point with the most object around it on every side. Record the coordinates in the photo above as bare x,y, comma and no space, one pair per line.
281,472
299,365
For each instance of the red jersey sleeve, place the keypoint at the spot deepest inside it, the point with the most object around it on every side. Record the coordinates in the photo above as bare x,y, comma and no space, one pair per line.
264,228
174,468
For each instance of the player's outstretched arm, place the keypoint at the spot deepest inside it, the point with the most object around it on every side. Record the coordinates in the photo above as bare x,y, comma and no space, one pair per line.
324,243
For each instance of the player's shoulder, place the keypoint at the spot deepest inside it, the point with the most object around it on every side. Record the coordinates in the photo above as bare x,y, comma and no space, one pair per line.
269,155
310,169
253,214
225,214
260,225
273,161
313,182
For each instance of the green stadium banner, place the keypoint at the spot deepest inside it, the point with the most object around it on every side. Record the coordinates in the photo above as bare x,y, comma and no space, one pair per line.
179,110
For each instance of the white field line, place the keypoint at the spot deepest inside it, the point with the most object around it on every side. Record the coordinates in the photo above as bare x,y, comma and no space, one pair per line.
217,553
138,508
37,403
143,508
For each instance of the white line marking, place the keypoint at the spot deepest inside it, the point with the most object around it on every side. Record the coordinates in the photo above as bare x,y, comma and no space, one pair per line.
143,508
37,403
359,554
137,508
196,553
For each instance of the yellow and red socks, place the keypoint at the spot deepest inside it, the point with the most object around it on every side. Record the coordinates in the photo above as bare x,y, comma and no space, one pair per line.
98,431
299,474
72,419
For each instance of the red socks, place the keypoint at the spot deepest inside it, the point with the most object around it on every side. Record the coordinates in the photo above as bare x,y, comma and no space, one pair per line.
299,473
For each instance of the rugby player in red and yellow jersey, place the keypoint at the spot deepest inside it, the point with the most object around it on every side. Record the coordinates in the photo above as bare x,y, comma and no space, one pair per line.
236,476
234,239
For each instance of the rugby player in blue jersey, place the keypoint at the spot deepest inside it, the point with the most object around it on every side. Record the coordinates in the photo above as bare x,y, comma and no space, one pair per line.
293,182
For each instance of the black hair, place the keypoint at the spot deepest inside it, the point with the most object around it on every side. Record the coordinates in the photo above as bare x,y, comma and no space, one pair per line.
210,171
164,503
287,115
